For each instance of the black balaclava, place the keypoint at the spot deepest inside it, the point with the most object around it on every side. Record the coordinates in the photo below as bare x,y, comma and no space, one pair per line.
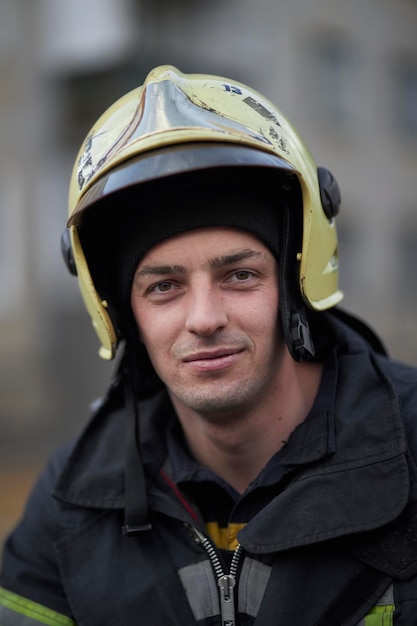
209,204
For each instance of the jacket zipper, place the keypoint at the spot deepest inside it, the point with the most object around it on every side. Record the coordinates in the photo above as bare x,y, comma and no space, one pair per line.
226,582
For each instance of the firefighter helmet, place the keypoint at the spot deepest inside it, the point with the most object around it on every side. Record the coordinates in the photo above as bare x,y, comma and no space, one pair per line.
177,124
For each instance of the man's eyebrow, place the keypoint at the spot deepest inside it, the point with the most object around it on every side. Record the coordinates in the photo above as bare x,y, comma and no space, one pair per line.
216,262
158,270
230,259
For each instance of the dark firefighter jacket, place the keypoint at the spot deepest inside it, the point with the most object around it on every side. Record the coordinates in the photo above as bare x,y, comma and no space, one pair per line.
337,546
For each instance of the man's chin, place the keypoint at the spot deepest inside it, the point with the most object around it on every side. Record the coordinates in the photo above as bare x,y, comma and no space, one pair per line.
216,404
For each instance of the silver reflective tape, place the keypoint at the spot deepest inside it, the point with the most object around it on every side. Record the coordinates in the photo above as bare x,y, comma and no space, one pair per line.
201,589
252,584
387,597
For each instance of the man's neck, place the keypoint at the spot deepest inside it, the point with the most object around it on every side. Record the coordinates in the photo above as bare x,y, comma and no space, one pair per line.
237,447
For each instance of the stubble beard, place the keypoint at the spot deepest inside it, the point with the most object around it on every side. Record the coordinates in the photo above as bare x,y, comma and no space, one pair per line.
218,400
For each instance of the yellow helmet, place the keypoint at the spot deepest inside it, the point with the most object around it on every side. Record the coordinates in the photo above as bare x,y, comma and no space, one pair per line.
176,124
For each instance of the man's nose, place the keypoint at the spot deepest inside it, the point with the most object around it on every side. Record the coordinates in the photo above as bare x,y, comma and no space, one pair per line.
205,311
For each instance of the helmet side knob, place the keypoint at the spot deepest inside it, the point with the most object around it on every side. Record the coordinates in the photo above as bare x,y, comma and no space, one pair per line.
329,193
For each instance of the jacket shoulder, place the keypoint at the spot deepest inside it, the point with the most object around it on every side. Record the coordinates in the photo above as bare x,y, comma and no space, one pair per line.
403,377
29,567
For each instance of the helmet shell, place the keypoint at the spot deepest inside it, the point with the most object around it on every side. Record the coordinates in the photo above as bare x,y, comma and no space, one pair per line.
170,110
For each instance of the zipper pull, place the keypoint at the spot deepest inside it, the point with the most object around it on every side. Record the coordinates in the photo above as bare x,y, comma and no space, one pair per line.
227,601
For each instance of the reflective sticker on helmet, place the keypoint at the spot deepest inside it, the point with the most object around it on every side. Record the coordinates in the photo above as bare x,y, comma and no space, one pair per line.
261,109
232,88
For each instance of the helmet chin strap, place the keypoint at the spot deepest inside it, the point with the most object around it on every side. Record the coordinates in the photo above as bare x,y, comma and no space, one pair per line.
136,502
293,313
136,506
140,382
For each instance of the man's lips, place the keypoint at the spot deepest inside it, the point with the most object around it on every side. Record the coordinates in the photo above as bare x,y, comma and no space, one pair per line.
211,360
211,354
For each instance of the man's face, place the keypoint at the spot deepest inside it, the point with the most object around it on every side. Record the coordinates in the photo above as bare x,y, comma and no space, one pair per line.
206,304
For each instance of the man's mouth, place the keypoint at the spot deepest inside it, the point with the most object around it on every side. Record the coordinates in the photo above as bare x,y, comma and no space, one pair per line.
211,354
211,360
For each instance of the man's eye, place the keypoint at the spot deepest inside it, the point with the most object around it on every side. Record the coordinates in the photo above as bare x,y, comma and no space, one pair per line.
162,287
242,275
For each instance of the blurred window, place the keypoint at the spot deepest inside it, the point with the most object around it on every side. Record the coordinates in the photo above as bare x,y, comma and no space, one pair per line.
405,93
408,256
12,250
333,77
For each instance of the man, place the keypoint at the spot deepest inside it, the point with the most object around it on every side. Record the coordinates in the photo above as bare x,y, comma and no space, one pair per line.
254,459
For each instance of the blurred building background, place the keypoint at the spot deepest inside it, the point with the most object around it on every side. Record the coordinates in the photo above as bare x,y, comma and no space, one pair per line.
344,72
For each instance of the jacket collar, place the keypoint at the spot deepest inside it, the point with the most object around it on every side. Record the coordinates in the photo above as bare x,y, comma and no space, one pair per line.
364,485
93,475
